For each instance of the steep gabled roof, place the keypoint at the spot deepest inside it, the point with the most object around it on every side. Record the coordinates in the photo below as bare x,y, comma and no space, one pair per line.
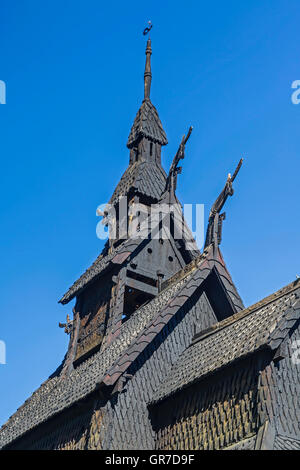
106,366
55,394
144,177
102,263
121,253
147,124
264,325
192,276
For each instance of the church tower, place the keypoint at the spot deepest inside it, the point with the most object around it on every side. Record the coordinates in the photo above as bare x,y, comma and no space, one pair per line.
131,270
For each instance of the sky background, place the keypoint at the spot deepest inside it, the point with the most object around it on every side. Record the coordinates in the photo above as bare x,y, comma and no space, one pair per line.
74,76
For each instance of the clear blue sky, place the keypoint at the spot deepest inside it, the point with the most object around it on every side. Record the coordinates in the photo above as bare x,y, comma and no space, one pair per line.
74,75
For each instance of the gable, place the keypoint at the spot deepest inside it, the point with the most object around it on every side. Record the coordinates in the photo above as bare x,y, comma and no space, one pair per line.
158,255
192,280
263,325
218,296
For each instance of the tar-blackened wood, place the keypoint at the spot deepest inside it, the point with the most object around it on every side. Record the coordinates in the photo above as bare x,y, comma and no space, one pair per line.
163,355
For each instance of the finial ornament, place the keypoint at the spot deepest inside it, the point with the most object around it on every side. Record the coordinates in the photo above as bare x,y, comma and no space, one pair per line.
67,326
171,182
168,196
214,229
147,74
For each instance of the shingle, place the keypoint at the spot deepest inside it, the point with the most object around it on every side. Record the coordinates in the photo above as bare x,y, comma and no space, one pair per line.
232,339
57,394
147,124
286,443
99,266
135,335
144,177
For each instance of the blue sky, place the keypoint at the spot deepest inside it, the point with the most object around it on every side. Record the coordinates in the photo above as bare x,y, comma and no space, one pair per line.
74,76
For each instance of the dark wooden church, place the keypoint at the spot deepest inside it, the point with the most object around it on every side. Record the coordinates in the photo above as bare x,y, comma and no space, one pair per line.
162,352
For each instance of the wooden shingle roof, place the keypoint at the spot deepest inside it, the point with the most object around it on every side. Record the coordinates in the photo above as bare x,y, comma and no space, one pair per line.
56,394
100,265
147,124
264,325
144,177
106,366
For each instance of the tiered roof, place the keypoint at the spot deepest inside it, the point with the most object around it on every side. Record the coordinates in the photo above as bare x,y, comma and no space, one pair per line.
106,366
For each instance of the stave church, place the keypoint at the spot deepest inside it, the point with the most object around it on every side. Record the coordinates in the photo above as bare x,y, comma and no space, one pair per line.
162,353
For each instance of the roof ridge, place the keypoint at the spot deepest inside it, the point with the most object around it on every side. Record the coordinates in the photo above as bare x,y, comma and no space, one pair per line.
183,272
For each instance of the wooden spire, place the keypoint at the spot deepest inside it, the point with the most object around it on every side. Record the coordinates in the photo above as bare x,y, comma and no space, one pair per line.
147,74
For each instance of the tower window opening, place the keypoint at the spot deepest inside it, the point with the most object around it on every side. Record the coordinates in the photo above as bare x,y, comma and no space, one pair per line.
151,149
134,299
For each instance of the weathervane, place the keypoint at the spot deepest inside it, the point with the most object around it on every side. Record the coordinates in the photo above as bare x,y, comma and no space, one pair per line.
148,29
